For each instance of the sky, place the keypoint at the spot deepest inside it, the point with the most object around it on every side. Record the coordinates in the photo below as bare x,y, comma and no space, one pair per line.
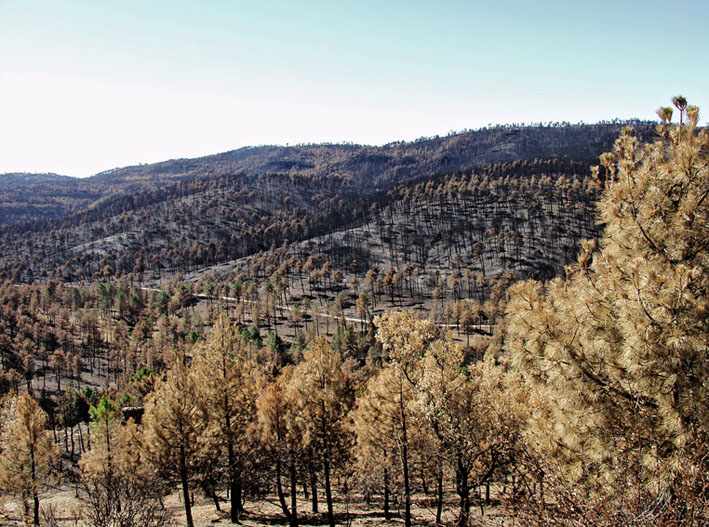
87,86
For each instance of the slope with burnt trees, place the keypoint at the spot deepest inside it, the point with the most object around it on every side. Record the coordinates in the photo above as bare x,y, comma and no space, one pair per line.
29,197
183,214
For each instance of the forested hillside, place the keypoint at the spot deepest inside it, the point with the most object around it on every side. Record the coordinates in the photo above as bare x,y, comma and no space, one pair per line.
292,349
182,215
394,163
21,179
367,168
526,217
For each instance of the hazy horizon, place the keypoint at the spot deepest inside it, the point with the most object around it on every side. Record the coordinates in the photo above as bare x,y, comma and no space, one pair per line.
85,88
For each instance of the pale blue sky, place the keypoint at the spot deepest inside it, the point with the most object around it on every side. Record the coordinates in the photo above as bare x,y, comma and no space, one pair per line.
90,85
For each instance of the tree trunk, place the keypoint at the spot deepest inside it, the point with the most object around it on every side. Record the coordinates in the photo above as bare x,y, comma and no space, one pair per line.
328,489
235,492
35,494
71,434
439,492
326,469
387,513
234,485
212,491
82,448
185,488
314,490
405,461
293,493
35,498
463,490
424,485
281,496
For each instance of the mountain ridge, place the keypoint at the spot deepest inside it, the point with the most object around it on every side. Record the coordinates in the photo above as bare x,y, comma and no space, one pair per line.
181,215
371,168
20,179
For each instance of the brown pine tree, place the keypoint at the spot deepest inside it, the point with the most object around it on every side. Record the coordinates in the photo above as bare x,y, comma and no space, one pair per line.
121,489
385,412
614,357
28,455
322,387
379,422
458,411
173,429
283,437
228,383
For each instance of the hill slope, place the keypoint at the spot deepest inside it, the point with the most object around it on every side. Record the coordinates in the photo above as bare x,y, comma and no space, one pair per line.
185,214
370,168
21,179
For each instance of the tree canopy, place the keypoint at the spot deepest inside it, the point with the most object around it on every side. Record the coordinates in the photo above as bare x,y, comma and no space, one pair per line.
615,355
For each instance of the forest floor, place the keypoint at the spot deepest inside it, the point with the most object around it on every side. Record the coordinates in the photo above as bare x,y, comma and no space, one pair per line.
61,508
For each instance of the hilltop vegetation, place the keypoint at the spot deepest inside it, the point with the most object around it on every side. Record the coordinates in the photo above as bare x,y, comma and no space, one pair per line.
21,179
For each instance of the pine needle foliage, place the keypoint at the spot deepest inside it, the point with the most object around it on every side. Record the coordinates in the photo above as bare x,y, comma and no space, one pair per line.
615,356
282,435
174,431
228,383
28,457
384,417
121,489
324,395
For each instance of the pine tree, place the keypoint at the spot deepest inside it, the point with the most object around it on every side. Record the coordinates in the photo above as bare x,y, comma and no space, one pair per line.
379,420
383,418
323,393
28,457
615,355
121,488
228,383
454,402
282,436
173,429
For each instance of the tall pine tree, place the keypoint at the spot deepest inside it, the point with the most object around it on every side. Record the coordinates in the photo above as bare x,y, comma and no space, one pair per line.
615,356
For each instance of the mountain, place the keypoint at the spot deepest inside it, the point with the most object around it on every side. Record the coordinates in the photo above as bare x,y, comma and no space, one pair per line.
390,164
32,198
371,168
21,179
444,233
182,215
